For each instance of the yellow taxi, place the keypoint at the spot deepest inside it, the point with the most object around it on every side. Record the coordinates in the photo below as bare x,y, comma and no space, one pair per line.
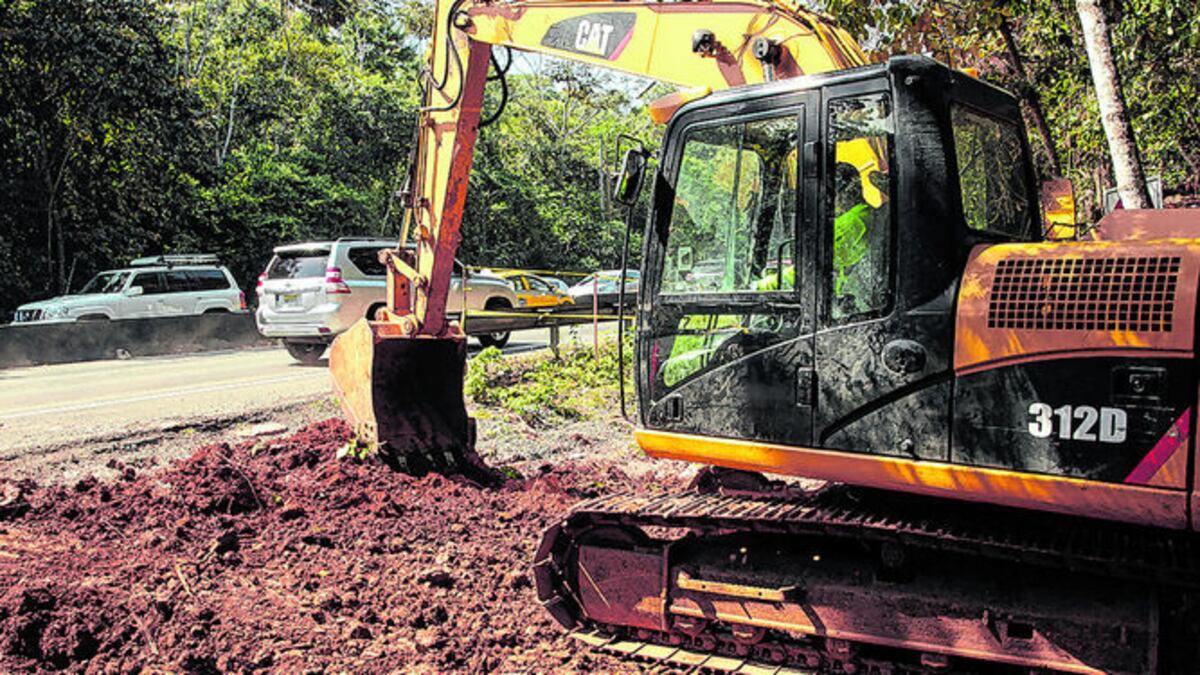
536,291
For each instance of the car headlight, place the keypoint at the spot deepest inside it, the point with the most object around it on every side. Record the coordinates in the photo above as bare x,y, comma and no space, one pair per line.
55,312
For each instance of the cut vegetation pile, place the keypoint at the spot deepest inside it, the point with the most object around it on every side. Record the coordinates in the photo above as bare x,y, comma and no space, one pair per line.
271,555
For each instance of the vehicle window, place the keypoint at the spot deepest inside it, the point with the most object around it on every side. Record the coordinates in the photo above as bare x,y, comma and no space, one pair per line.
298,264
536,284
858,194
208,280
734,210
179,281
366,259
697,343
106,282
991,173
151,283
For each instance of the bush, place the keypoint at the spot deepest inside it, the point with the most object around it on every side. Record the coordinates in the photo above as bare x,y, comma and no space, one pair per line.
543,390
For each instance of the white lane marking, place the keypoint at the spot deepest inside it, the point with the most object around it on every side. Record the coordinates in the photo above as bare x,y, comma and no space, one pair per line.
49,410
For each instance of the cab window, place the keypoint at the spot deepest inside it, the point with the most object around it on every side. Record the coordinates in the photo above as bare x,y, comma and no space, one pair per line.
366,259
732,225
991,173
858,200
179,282
208,280
151,283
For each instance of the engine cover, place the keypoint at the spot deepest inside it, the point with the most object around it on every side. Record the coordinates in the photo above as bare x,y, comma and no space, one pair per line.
1076,361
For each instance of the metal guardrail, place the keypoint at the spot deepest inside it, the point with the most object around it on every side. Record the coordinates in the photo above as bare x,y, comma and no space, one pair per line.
480,322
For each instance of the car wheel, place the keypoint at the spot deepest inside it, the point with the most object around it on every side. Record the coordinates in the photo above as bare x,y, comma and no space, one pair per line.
376,312
499,338
94,317
216,310
308,353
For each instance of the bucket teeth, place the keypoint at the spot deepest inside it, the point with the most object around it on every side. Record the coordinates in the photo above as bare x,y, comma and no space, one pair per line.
405,395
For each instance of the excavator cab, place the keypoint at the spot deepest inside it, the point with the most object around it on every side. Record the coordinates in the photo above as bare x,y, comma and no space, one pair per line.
893,320
802,260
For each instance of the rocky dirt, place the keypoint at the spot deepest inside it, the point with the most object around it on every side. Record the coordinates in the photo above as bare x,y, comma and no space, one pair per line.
269,555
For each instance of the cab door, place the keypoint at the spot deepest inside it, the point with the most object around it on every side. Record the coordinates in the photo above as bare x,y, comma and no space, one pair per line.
541,294
726,336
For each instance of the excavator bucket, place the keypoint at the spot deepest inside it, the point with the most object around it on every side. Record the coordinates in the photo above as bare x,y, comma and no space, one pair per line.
405,394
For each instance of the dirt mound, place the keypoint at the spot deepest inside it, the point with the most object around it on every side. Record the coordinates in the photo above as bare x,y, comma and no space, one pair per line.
271,555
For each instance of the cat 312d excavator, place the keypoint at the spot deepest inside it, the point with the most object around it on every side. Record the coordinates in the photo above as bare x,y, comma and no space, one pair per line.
844,278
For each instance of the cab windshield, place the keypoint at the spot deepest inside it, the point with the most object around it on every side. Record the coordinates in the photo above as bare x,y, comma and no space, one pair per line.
732,223
105,282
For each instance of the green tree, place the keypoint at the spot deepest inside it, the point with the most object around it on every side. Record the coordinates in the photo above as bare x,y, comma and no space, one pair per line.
91,134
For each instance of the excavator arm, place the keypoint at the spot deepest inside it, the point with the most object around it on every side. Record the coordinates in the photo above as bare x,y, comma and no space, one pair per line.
399,380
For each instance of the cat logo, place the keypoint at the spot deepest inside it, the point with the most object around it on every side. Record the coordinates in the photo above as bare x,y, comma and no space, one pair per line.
603,34
592,38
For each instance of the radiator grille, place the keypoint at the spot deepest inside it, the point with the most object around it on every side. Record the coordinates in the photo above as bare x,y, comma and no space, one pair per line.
24,315
1127,294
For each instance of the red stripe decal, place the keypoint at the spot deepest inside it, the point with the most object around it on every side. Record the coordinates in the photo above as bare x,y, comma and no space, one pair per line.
1166,446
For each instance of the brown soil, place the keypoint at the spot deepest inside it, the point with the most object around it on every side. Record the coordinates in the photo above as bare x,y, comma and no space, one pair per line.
270,555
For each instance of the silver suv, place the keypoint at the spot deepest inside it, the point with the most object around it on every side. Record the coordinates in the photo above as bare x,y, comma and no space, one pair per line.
312,292
165,285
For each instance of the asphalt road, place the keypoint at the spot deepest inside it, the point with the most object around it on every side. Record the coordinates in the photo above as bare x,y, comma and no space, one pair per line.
59,405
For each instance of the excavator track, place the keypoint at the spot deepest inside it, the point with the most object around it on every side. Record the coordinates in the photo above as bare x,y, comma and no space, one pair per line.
1153,577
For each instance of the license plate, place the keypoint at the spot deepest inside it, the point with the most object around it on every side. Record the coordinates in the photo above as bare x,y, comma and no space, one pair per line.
287,299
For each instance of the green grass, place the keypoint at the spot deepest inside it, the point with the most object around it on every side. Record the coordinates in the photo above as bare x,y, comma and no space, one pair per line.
545,391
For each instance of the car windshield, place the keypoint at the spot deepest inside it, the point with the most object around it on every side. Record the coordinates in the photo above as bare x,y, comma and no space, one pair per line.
105,282
299,264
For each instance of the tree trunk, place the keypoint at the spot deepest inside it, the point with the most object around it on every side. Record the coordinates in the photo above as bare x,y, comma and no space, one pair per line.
1127,167
60,256
1032,98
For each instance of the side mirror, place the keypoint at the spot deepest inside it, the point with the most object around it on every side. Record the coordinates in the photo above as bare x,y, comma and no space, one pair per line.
133,291
629,182
1058,209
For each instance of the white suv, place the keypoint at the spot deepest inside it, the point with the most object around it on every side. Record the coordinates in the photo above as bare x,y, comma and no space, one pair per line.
312,292
168,285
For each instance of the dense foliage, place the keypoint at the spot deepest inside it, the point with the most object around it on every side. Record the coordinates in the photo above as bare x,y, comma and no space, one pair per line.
131,128
1157,44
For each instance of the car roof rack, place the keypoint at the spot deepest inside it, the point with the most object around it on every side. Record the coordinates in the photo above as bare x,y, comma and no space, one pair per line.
176,259
391,240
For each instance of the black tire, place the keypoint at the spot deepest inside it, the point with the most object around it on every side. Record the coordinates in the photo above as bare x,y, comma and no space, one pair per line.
375,309
499,338
93,317
216,310
308,353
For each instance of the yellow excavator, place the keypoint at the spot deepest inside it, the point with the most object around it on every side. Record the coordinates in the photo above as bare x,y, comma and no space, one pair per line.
844,278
